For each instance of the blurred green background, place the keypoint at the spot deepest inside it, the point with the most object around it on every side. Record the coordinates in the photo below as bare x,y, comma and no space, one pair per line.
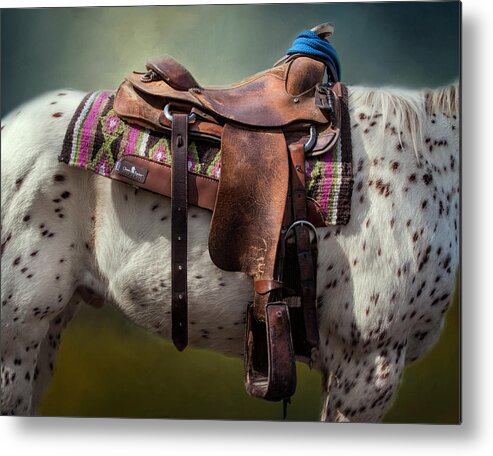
109,367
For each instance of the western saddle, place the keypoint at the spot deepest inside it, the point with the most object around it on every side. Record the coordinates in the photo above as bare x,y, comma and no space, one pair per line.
265,125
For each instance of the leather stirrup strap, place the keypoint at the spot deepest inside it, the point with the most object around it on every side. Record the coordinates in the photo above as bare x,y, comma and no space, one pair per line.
303,244
179,193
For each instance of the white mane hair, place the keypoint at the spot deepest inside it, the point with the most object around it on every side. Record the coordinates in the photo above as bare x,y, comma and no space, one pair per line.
406,106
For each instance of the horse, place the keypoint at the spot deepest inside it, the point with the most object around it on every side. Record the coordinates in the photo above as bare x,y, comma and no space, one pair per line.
384,283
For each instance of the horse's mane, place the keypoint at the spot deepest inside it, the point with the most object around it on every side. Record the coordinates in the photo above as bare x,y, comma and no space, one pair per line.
444,99
406,107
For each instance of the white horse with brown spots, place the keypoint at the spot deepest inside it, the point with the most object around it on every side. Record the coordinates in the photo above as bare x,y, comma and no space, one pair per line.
384,280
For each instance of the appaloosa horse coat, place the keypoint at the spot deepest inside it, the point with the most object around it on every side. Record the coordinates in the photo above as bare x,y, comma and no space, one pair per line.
384,280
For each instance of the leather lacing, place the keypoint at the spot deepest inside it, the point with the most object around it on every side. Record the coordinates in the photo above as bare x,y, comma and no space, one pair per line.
150,76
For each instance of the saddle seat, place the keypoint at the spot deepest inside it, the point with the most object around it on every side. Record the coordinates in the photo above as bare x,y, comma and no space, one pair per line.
274,98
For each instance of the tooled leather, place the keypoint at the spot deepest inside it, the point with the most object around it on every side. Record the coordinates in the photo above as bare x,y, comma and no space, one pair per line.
239,102
131,106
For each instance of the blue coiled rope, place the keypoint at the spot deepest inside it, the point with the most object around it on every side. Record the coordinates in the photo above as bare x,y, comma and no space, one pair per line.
309,43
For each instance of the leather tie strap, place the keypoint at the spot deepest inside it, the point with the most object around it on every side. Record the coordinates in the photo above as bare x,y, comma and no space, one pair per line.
179,194
262,287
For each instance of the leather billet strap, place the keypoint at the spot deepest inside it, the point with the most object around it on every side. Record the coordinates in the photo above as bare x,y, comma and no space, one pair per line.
270,368
307,267
179,197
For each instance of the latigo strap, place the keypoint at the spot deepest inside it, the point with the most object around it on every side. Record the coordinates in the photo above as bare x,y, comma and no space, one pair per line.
179,196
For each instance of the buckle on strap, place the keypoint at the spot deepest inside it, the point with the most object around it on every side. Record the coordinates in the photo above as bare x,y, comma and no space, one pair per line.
302,223
167,113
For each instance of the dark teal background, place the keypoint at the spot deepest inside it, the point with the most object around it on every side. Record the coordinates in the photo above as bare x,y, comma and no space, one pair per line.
108,367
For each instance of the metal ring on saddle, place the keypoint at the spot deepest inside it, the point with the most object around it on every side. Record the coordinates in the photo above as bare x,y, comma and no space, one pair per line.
191,117
302,223
311,140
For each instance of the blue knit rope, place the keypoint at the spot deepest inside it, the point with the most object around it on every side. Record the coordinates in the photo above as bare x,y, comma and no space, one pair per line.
310,43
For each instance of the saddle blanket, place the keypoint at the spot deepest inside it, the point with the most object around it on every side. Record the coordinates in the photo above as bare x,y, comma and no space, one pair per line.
97,139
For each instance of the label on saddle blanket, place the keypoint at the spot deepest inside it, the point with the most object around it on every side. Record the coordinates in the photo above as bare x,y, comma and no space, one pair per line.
98,140
131,171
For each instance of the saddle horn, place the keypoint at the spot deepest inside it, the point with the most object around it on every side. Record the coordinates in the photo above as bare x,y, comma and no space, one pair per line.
324,31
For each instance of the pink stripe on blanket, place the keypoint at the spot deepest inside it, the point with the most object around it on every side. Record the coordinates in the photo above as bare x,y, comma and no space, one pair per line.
87,129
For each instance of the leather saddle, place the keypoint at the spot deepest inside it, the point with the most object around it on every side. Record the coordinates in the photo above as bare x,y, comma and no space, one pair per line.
265,126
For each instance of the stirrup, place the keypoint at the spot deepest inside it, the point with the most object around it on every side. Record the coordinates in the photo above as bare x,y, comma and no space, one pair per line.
270,369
